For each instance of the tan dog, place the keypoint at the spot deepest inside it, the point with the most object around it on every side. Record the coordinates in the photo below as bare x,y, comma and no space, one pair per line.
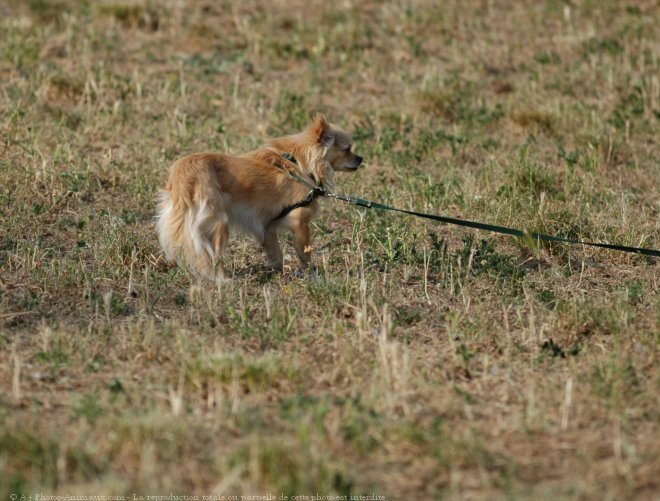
207,193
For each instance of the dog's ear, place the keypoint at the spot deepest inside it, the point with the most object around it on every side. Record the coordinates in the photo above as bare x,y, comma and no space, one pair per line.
322,131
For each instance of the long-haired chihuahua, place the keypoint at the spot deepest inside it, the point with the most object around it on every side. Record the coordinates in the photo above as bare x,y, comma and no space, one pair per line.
209,193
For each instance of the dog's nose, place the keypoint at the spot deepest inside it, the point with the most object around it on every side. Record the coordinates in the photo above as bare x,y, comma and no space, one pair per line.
358,158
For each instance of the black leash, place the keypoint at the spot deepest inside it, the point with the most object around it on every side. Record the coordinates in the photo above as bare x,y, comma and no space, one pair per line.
494,228
317,191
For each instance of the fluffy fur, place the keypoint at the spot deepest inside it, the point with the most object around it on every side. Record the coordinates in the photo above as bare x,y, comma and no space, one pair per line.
209,193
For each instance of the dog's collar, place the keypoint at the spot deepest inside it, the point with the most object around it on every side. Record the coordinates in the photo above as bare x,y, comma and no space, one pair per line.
288,156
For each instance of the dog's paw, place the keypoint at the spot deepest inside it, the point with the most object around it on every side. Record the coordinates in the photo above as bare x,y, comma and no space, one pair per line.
274,268
311,273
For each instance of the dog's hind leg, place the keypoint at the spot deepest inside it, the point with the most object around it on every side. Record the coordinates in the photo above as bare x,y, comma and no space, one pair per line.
208,236
220,239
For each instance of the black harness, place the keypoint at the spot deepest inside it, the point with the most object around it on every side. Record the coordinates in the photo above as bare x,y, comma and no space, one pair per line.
314,193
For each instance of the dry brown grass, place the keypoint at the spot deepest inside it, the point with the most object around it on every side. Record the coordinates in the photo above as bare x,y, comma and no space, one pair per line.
430,361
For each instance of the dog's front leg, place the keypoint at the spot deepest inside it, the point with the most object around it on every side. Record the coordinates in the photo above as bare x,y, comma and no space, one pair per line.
302,244
298,222
273,250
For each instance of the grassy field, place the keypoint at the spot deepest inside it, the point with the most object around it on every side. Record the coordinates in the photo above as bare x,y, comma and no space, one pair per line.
429,361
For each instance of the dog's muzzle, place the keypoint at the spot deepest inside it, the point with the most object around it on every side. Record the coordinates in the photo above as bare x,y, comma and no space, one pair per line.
355,163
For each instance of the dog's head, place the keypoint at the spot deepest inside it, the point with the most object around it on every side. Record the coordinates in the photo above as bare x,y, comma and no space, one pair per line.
336,145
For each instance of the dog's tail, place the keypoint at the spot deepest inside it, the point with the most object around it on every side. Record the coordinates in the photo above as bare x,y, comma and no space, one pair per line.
190,221
169,224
